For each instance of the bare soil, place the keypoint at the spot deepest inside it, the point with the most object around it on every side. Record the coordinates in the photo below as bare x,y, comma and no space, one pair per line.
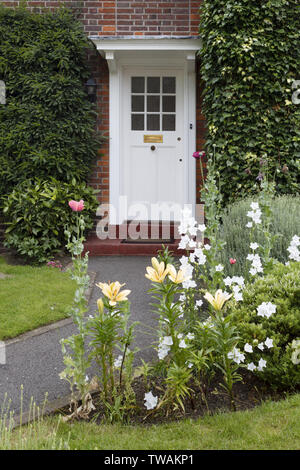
248,394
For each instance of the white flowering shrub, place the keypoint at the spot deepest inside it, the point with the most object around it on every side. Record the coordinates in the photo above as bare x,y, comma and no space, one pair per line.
268,321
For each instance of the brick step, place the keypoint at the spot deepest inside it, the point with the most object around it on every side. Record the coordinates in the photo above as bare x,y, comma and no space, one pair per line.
109,247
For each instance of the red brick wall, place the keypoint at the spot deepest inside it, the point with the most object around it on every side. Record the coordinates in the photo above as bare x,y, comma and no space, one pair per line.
156,17
100,173
127,18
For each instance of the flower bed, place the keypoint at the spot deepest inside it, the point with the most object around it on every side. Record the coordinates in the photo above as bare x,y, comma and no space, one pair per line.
208,356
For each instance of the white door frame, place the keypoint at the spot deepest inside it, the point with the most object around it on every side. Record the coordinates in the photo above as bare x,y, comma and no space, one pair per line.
164,53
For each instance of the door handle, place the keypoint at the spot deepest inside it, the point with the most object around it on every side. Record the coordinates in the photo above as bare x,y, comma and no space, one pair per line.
152,147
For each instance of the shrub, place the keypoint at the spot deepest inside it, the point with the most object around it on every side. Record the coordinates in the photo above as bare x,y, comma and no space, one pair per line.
37,213
47,127
249,63
282,289
233,230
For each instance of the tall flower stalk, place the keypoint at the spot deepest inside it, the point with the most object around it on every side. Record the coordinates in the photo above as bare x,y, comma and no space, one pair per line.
261,220
224,337
173,343
110,331
212,199
73,348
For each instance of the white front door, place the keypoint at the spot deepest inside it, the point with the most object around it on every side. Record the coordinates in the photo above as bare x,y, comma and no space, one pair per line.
152,146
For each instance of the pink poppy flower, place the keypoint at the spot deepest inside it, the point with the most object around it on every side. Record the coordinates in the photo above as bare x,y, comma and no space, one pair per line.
232,261
198,155
77,206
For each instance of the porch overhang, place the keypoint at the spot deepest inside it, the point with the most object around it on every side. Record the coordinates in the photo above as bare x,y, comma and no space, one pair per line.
150,43
113,48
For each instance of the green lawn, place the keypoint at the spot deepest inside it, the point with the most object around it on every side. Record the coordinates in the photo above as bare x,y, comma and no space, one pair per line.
31,297
271,426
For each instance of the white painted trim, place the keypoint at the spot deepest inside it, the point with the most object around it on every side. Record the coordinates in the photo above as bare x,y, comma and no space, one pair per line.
164,53
135,43
191,86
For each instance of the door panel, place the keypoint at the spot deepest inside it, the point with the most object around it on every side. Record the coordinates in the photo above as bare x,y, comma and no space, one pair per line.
153,163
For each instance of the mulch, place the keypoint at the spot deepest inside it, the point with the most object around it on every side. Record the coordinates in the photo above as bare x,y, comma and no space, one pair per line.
249,393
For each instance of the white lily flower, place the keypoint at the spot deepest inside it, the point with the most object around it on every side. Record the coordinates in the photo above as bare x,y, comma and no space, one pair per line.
150,401
190,336
251,366
228,281
266,309
219,268
118,362
261,364
167,341
248,348
269,343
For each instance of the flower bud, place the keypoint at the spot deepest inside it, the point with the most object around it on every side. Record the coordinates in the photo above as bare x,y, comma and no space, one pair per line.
100,305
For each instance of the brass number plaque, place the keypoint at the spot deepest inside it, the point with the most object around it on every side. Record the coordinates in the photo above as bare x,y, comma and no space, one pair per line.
150,139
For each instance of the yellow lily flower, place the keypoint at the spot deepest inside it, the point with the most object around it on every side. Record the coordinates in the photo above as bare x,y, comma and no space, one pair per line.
157,272
112,291
218,300
176,277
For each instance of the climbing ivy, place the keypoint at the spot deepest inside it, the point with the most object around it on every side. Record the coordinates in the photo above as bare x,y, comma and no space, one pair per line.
250,62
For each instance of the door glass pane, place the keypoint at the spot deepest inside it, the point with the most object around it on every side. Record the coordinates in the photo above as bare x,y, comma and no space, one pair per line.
137,122
169,104
168,122
153,122
153,85
137,103
169,85
137,84
153,104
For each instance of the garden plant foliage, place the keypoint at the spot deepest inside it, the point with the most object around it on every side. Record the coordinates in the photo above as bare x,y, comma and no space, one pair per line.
249,63
47,125
281,287
285,224
36,216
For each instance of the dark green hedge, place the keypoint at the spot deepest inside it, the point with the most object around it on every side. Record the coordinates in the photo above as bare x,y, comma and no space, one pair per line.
249,61
47,127
37,214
